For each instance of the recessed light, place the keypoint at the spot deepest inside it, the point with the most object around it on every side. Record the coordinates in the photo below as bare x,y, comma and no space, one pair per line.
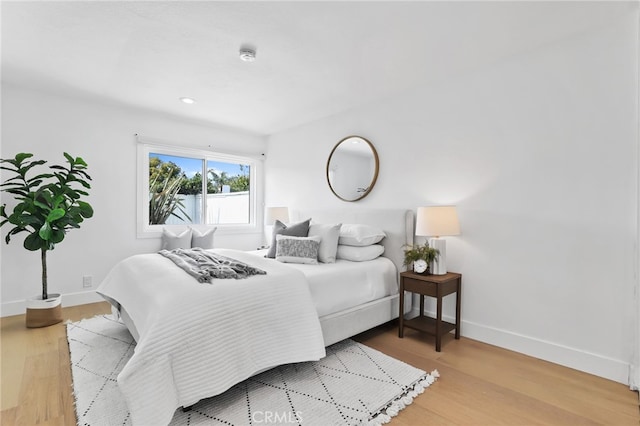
187,100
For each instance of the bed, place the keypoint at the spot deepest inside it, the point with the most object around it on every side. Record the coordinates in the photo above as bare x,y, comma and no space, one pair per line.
398,226
196,341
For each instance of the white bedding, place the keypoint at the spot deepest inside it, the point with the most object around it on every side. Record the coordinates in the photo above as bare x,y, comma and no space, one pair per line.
197,340
344,284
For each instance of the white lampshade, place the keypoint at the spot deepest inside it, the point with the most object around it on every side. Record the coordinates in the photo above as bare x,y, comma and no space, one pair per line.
276,213
437,221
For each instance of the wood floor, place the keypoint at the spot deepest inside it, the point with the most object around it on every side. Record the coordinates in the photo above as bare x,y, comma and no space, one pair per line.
479,384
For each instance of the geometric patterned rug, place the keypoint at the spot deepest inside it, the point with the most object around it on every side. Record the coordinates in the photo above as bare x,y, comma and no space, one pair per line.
352,385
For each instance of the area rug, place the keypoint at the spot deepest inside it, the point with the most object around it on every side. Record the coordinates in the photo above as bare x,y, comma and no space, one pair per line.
352,385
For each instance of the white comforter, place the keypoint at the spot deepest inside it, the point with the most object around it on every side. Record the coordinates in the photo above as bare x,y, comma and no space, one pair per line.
197,340
342,285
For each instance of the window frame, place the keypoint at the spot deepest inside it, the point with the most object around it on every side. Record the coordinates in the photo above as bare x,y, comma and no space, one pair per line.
146,230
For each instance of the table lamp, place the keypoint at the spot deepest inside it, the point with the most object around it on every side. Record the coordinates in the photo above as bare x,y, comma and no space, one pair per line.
272,214
438,221
276,213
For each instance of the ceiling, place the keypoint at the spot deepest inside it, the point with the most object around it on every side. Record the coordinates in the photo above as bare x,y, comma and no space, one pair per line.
314,59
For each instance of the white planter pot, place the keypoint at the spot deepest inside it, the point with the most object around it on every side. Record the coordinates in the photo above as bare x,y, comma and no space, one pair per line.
43,313
54,300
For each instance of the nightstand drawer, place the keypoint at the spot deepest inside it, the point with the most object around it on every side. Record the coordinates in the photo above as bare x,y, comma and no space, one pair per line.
418,286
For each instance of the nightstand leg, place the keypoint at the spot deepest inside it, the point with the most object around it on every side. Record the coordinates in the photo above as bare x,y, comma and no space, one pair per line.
439,324
422,305
458,298
401,315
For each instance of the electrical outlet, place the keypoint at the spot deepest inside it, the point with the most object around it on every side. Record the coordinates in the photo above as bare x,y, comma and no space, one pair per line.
87,281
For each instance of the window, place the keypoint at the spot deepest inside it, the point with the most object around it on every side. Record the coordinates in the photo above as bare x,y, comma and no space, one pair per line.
183,187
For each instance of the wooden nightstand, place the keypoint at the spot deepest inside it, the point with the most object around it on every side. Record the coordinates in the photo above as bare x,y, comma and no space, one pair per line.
436,286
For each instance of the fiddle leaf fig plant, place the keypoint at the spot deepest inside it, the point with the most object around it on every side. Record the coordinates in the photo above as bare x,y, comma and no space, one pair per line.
48,204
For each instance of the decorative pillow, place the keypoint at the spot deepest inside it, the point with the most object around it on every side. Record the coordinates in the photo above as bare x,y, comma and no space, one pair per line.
297,249
295,230
203,240
360,235
328,240
359,254
170,241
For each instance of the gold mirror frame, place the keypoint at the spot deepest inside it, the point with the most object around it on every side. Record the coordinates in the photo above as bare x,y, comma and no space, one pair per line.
363,191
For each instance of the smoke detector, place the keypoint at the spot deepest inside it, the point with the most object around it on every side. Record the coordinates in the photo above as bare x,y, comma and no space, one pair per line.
247,54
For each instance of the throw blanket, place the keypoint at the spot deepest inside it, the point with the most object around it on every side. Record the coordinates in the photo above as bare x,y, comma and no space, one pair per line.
196,341
205,265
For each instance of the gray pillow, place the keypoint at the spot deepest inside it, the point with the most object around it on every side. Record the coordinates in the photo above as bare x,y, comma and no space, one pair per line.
203,240
171,241
295,230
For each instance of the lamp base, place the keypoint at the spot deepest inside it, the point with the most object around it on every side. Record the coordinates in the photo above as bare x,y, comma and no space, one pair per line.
439,266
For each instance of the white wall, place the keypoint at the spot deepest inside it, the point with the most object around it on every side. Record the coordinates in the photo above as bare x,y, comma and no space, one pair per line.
540,154
103,135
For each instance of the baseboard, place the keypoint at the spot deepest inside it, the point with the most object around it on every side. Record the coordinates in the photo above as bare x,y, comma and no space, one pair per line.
577,359
70,299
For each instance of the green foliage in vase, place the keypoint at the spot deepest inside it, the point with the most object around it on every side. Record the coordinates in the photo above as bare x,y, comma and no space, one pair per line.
48,204
424,252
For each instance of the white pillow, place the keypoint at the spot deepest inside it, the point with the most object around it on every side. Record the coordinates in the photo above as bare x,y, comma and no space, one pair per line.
204,240
360,235
359,254
328,240
297,249
171,241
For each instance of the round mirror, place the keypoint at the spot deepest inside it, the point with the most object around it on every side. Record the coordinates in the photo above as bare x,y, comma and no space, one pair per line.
352,168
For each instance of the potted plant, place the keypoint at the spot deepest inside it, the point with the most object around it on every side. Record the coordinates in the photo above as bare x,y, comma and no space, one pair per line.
48,205
419,258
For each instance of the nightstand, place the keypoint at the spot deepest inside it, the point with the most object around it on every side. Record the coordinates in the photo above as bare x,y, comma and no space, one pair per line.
436,286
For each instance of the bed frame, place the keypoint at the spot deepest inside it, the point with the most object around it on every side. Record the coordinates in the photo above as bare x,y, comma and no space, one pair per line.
398,225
